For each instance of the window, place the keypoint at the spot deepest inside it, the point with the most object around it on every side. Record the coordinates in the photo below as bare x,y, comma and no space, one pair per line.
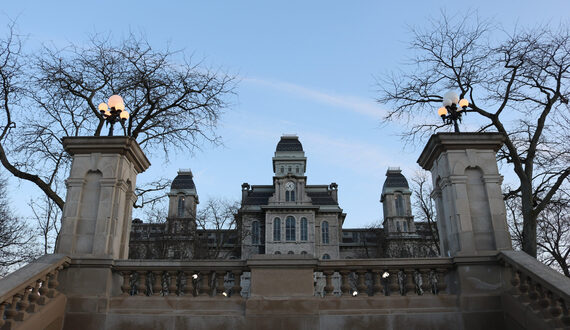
290,228
289,169
255,232
325,232
276,229
282,169
277,252
181,206
405,226
303,252
398,228
326,256
399,205
290,252
290,196
304,234
297,169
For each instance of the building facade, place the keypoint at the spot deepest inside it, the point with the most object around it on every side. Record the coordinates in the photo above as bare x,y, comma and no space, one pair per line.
288,216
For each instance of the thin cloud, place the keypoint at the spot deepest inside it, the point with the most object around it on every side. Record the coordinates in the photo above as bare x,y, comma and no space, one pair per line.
356,104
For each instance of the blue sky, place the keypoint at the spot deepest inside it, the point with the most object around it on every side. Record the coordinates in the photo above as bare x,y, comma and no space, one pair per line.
305,67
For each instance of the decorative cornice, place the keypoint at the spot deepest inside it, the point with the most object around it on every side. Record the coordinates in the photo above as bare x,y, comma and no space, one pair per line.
122,145
442,142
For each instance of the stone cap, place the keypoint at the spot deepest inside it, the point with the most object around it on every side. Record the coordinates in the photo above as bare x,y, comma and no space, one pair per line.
122,145
441,142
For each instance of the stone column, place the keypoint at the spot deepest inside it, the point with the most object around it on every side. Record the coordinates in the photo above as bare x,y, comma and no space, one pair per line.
100,194
471,212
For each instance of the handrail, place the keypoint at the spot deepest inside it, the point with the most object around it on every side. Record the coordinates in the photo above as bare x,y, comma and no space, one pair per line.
546,291
30,287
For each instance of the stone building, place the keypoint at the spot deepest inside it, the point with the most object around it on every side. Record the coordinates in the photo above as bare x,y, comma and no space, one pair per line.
288,216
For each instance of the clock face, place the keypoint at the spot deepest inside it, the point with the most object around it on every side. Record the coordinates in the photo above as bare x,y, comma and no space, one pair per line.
290,185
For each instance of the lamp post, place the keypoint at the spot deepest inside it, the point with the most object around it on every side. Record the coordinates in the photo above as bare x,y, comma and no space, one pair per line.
114,111
450,113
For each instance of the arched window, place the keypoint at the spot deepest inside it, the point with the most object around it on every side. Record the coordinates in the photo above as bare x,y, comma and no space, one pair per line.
255,232
398,228
325,232
290,228
181,206
326,256
276,229
277,252
399,205
405,226
290,252
304,229
303,252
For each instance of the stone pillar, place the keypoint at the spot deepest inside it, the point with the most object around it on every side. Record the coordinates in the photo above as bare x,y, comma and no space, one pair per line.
467,191
100,194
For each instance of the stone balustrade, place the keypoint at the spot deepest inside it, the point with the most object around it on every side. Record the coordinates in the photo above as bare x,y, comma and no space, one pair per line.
384,277
28,290
175,278
545,293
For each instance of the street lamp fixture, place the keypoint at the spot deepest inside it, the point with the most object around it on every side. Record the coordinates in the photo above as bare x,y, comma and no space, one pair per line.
114,111
450,112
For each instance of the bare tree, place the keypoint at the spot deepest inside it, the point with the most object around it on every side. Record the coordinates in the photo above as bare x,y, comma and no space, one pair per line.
218,230
52,93
424,206
553,239
16,239
47,216
518,85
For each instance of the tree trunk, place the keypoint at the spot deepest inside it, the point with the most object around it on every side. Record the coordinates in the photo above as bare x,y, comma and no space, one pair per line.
529,221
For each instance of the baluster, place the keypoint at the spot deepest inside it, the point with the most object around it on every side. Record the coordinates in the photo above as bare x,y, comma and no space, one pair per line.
544,300
23,304
524,289
393,279
142,284
126,287
205,284
345,286
410,286
236,289
515,282
555,310
11,312
426,285
533,293
189,288
419,282
329,288
53,282
34,296
173,284
2,309
220,289
43,292
157,286
361,286
377,287
441,283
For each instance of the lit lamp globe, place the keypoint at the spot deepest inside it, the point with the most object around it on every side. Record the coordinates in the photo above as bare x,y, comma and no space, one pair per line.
463,104
103,107
442,112
116,102
450,98
124,115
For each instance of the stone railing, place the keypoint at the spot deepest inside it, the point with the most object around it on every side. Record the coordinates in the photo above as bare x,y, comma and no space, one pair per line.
384,277
182,278
26,291
545,292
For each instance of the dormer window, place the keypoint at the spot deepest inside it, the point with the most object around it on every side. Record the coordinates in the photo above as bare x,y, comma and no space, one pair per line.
181,206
